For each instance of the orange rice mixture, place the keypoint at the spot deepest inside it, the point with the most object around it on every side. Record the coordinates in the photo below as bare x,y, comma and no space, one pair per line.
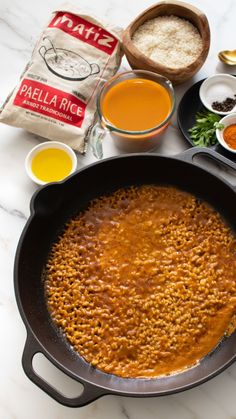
142,283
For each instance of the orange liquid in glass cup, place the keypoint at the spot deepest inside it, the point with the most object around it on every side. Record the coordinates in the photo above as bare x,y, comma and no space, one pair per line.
136,104
135,107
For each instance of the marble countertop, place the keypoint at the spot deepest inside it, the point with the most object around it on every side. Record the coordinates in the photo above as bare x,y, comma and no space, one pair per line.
20,25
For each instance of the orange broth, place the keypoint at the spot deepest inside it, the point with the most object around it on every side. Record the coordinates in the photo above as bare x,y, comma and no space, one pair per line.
136,104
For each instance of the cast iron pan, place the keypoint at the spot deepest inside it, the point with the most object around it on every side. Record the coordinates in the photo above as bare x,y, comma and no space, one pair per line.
51,206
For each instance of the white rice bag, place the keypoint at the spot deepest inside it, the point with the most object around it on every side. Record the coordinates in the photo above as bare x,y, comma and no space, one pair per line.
56,95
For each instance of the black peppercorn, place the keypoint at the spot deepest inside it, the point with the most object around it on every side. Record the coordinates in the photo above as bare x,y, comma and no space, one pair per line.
226,106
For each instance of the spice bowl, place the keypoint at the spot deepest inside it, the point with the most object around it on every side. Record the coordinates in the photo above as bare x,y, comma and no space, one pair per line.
184,12
50,161
229,141
218,93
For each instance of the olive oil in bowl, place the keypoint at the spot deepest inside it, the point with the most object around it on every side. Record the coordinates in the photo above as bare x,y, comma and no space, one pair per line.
50,162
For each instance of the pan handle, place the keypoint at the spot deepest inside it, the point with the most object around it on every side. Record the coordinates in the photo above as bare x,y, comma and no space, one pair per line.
90,392
42,51
189,154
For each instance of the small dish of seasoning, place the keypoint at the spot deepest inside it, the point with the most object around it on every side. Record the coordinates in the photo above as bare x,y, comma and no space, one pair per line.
51,161
227,136
218,94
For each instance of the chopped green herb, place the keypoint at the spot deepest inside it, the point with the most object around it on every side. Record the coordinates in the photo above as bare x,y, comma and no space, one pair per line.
203,132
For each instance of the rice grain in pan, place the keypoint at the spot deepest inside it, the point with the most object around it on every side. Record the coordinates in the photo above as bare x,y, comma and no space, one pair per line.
142,283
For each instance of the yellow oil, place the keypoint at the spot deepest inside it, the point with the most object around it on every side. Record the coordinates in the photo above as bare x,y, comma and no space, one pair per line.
51,165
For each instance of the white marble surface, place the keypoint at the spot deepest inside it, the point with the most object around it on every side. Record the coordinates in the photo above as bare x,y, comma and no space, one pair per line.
20,24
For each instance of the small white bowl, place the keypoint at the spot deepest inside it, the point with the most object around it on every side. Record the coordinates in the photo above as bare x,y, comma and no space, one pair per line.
218,88
44,146
226,121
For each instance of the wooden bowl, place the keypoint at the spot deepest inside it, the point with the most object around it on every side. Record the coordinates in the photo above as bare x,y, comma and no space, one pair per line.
138,60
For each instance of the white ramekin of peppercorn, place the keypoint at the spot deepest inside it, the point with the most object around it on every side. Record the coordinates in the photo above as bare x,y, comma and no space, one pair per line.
218,94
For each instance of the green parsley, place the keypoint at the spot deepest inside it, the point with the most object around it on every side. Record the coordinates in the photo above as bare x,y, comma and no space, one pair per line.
203,132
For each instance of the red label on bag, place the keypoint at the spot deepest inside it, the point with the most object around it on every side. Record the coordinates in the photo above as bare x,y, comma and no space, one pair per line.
85,31
46,100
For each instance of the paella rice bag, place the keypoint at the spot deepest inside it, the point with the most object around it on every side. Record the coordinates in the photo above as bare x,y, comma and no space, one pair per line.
56,95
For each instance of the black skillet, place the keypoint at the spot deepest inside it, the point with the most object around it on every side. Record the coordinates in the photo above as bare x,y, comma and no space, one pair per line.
51,206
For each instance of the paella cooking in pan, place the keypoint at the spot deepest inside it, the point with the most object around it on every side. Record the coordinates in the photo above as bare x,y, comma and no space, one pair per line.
122,319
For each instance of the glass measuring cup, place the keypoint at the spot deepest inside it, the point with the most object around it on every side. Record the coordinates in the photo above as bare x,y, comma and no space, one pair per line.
130,140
